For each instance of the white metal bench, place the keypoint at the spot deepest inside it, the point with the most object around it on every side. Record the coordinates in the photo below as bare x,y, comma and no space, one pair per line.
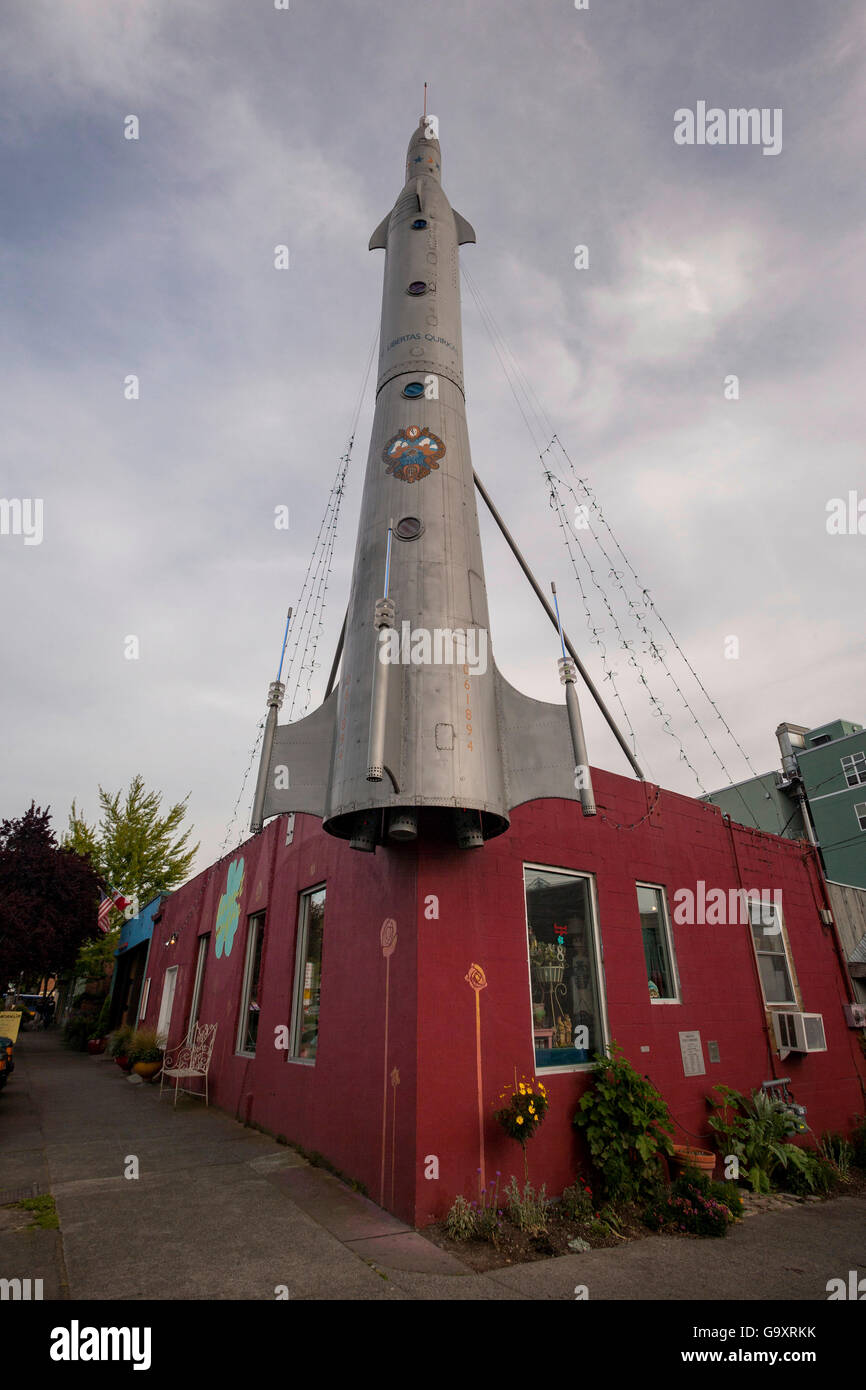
192,1058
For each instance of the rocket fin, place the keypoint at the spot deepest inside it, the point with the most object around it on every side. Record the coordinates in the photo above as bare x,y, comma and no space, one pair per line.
305,750
379,239
465,230
537,751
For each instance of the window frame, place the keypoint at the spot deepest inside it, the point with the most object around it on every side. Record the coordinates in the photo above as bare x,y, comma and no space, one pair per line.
305,897
794,1001
204,941
857,770
677,997
858,813
255,932
598,956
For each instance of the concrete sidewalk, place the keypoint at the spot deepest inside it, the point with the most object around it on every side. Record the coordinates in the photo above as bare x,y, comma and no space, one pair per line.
224,1212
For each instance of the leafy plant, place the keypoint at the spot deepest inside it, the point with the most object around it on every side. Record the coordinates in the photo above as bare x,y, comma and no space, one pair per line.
118,1042
688,1207
488,1216
76,1032
839,1151
756,1130
527,1209
576,1201
546,953
101,1027
858,1141
460,1221
627,1126
809,1171
144,1046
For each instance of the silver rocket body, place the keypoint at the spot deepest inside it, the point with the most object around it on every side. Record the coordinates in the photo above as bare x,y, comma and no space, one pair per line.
456,735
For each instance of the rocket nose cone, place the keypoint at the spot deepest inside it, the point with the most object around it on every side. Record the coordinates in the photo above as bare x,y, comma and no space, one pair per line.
424,155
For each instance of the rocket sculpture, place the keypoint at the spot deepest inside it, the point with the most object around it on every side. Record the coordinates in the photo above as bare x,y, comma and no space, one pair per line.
421,734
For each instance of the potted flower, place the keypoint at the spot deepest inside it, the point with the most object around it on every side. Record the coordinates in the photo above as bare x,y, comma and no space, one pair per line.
118,1047
145,1053
548,962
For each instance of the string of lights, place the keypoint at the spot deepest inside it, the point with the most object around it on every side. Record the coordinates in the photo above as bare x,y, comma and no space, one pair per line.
640,612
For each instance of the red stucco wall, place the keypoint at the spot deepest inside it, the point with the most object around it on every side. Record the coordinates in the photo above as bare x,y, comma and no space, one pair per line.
336,1106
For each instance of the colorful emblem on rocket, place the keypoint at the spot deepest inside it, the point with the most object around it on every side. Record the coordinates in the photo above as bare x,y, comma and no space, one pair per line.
412,453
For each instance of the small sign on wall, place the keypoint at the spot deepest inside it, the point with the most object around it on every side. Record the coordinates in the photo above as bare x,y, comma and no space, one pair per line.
693,1055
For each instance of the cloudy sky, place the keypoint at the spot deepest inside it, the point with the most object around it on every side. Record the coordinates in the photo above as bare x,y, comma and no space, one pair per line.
260,127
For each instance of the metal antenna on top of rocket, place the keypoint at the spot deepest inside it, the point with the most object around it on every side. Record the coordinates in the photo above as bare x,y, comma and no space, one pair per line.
568,676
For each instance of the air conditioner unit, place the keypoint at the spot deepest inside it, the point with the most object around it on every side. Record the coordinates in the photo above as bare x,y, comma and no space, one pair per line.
796,1032
855,1015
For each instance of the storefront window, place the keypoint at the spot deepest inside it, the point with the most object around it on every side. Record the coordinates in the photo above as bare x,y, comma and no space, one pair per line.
308,975
567,1022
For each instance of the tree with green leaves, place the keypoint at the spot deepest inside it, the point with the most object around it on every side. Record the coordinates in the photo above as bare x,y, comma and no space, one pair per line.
135,849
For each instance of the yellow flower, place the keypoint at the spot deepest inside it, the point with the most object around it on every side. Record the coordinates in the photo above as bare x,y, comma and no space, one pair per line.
520,1119
529,1089
532,1109
522,1089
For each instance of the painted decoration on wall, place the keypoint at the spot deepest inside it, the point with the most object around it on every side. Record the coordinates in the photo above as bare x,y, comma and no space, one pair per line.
478,980
412,453
388,942
229,910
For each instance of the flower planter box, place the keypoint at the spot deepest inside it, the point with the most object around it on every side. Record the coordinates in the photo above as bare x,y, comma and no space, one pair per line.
96,1046
684,1157
146,1070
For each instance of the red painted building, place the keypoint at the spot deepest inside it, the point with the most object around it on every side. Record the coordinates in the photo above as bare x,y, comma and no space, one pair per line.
378,1023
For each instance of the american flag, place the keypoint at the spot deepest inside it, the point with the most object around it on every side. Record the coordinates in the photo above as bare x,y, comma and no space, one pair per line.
107,903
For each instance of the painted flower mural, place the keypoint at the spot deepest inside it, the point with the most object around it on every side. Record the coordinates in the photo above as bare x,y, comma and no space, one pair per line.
411,453
229,910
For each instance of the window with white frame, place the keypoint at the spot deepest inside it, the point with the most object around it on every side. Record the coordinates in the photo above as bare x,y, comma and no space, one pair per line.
248,1023
860,813
564,966
198,983
774,963
854,768
304,1039
657,944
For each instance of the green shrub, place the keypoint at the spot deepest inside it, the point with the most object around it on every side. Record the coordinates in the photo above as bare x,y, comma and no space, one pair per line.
808,1171
839,1151
76,1033
691,1206
460,1221
144,1046
527,1210
101,1027
725,1192
858,1142
576,1202
756,1130
118,1043
627,1127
